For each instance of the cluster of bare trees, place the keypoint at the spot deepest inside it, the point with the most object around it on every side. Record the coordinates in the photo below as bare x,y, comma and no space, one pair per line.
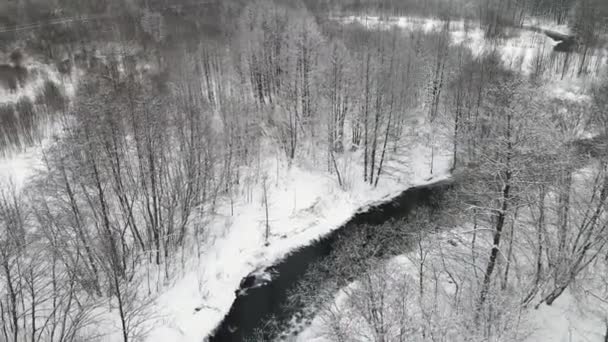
26,122
530,200
528,186
354,89
109,218
21,120
41,286
144,157
536,203
582,53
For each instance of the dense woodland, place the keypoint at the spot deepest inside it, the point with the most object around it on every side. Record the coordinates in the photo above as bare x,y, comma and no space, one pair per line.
179,103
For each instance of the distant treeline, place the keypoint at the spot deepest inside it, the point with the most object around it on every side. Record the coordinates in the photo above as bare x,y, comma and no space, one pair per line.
43,25
557,10
48,25
23,123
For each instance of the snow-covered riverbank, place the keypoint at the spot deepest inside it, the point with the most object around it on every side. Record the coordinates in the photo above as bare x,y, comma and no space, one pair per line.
303,206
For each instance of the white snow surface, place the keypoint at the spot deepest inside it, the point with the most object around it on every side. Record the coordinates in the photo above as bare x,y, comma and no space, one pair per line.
17,168
304,205
566,321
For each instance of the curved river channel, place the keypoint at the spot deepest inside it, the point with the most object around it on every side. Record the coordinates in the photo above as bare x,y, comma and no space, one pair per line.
262,296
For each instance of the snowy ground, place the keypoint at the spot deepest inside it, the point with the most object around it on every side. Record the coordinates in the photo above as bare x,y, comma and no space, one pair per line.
38,74
580,314
304,205
573,317
398,268
567,320
549,25
443,251
519,50
580,317
16,168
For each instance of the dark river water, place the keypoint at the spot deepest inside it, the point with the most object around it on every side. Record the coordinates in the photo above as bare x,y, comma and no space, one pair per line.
260,298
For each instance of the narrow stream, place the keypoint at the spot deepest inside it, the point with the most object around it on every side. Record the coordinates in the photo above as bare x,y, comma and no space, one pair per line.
264,295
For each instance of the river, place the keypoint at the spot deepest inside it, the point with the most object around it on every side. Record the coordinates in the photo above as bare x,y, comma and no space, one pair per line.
264,294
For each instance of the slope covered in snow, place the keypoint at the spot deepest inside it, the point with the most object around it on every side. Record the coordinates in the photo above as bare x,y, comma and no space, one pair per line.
303,206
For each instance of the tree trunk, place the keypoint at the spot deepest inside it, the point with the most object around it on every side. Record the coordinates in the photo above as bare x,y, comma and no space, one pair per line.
509,253
12,299
121,308
495,248
365,119
500,221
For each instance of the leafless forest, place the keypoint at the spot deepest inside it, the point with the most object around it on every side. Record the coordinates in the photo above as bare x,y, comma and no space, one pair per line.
152,117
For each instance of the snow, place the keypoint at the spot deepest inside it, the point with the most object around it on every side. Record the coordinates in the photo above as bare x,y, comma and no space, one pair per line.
580,314
396,268
39,73
565,321
16,169
549,25
519,50
570,90
304,205
445,250
406,23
